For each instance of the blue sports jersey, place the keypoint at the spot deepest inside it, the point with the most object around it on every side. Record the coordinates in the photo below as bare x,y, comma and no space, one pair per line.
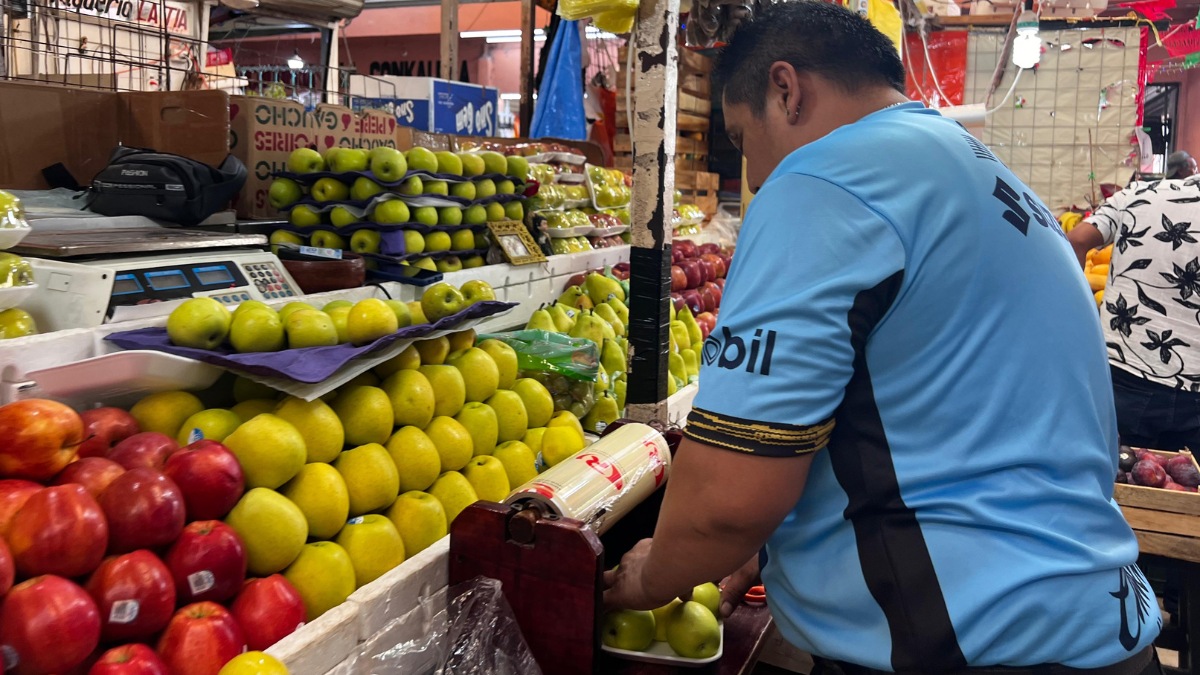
903,306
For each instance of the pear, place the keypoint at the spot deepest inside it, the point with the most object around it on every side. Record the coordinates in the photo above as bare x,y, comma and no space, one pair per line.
449,389
374,547
270,450
565,418
606,329
600,288
434,350
412,398
620,385
676,366
505,358
601,383
480,373
366,414
695,337
519,460
416,458
588,326
541,320
323,576
487,475
559,443
571,296
539,405
420,520
320,493
272,528
480,422
409,359
680,331
454,444
454,492
511,417
691,364
318,424
620,308
612,358
371,477
603,413
606,312
672,386
660,619
562,321
671,306
692,631
533,438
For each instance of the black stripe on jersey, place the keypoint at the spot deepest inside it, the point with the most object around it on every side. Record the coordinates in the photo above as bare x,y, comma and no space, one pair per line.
891,548
769,439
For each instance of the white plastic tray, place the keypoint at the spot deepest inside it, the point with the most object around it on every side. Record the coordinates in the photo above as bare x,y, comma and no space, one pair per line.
565,232
607,231
14,296
661,653
11,236
569,178
124,376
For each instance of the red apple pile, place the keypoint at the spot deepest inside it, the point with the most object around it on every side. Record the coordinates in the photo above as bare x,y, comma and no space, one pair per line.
698,280
76,488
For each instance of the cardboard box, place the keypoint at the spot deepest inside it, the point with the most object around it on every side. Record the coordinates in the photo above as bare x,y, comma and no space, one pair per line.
264,131
43,125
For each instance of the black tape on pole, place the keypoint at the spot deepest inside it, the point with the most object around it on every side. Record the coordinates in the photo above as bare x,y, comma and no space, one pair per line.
650,323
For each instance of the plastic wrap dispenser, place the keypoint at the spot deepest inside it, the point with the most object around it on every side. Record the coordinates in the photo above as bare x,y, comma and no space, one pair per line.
550,543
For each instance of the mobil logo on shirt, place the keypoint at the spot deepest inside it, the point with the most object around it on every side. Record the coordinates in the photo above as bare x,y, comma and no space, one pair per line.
731,351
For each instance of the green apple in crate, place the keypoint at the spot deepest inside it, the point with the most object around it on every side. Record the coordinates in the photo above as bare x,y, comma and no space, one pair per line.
284,191
304,216
388,164
473,164
341,216
330,190
426,215
391,211
327,239
437,241
448,162
200,323
349,159
435,187
422,159
464,190
365,241
412,186
364,188
485,188
305,160
450,263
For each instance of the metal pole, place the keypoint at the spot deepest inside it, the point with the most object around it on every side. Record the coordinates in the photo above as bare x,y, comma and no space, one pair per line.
652,125
528,14
450,39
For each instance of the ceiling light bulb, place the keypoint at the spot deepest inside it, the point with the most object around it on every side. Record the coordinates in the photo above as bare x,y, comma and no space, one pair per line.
295,62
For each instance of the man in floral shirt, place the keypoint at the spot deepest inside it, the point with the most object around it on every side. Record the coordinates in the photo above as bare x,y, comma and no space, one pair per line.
1151,307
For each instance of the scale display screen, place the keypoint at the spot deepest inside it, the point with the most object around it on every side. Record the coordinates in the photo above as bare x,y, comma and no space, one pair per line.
125,283
165,281
218,274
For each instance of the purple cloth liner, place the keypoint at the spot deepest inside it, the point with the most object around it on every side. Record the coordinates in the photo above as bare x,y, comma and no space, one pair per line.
349,177
310,364
363,203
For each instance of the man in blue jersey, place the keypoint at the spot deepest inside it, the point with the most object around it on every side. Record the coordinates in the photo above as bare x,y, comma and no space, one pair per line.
906,398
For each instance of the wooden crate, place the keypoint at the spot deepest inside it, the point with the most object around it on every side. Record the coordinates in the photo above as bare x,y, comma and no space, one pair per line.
689,61
688,103
1166,522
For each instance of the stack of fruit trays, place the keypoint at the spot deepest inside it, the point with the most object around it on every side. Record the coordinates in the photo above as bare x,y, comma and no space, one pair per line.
229,522
422,208
16,275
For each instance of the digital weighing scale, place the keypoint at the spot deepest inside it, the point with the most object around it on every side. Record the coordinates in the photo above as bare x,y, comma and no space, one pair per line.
96,275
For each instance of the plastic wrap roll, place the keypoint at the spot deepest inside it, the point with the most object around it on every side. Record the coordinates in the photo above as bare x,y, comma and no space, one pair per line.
605,480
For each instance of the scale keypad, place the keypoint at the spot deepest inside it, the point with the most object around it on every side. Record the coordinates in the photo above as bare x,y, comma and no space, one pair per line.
270,283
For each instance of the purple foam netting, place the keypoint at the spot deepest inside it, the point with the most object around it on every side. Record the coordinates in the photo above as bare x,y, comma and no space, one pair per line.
391,262
350,176
364,203
310,364
380,227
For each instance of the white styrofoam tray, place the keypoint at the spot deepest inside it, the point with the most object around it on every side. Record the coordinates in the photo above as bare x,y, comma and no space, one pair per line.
661,653
11,236
123,377
564,232
13,296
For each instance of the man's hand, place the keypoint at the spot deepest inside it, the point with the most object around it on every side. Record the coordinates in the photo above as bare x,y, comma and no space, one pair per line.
625,589
734,587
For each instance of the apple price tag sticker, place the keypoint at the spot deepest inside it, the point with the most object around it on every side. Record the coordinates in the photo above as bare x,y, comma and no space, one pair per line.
356,520
540,464
11,658
123,611
601,425
195,435
201,581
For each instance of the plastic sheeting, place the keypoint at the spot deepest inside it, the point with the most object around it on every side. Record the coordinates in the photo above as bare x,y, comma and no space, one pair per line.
559,110
948,54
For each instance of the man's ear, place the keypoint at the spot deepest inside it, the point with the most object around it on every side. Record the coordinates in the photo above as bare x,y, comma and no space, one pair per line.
785,90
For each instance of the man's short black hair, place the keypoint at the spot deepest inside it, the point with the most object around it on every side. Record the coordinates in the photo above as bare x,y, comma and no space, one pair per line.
815,36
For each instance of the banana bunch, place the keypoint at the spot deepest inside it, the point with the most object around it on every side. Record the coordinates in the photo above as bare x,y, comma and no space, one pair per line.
1069,219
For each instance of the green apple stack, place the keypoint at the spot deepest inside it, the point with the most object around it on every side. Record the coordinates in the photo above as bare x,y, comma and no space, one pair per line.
14,271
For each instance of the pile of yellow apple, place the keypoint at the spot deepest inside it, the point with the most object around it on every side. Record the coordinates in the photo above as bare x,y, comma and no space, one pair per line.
610,187
343,488
690,628
594,310
390,166
1096,268
204,323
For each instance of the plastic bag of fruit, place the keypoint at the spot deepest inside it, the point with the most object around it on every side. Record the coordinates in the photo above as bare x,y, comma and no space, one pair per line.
469,629
568,367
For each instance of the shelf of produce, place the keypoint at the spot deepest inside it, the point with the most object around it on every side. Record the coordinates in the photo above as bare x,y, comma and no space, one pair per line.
1166,522
745,636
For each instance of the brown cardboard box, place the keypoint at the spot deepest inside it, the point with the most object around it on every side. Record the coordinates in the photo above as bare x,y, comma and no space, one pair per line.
43,125
264,131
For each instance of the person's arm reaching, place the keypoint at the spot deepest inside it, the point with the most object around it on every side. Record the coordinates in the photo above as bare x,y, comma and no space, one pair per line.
1084,237
1100,228
773,373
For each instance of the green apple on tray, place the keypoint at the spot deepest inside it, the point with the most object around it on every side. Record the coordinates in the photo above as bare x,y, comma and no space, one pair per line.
691,628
